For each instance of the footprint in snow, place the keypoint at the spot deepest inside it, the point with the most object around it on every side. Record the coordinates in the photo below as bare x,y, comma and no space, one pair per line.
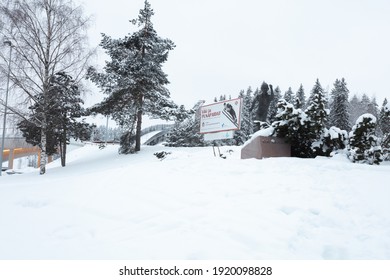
288,210
35,204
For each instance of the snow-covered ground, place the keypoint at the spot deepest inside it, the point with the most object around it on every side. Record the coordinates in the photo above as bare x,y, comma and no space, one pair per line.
192,205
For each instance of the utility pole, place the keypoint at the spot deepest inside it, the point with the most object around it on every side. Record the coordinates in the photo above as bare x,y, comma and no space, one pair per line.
5,106
106,137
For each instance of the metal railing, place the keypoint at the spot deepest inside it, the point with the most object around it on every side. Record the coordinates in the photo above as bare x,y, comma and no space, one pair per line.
162,127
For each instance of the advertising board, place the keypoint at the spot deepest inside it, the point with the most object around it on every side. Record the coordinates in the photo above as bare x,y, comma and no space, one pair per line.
221,116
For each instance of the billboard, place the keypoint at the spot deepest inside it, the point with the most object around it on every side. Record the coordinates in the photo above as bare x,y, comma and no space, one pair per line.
221,116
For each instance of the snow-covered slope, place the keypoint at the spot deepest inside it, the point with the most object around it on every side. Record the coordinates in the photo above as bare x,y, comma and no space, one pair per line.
192,205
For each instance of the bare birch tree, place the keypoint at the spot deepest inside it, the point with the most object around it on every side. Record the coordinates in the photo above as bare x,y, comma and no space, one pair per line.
47,37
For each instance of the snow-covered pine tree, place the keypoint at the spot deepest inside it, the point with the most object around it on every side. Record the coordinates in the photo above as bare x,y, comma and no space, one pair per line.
384,118
384,123
339,115
372,107
222,97
355,109
242,135
186,130
289,96
317,114
363,143
364,103
286,119
63,113
182,135
99,133
67,112
134,79
300,98
290,123
273,106
332,139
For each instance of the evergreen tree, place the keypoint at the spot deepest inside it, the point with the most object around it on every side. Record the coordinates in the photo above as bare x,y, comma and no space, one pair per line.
286,122
333,139
384,123
47,37
101,132
254,106
291,124
339,115
300,98
364,104
306,131
355,109
273,106
64,109
364,145
289,96
186,130
317,113
222,97
134,78
242,135
384,118
372,107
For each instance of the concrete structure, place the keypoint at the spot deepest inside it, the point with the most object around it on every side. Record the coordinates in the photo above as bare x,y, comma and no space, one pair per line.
263,147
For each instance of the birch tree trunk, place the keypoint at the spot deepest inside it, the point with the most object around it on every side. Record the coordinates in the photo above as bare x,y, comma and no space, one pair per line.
42,164
48,37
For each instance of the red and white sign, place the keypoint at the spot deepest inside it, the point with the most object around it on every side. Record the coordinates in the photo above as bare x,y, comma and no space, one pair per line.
221,116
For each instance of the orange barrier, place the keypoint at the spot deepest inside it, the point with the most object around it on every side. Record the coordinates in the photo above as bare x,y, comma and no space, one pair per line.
11,154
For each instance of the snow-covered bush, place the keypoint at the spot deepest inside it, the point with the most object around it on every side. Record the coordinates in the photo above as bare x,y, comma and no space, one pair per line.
292,124
363,143
332,139
127,142
161,155
185,134
287,119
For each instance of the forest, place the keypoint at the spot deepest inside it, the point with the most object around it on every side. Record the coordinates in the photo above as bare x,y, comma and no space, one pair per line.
318,125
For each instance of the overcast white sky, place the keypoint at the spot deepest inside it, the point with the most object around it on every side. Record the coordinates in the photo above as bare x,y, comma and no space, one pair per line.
223,46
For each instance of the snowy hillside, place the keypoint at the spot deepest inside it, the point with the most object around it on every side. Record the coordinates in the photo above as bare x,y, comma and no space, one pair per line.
193,205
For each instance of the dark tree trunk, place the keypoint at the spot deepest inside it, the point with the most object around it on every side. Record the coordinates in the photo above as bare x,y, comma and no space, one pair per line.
63,153
63,148
139,124
138,131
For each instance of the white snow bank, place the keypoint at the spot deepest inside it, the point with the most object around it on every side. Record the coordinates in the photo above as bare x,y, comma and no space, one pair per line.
193,205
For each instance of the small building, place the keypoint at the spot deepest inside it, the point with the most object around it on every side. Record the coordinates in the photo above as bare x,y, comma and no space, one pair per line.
260,146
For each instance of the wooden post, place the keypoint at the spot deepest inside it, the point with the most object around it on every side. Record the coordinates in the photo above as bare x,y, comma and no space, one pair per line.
39,157
11,157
